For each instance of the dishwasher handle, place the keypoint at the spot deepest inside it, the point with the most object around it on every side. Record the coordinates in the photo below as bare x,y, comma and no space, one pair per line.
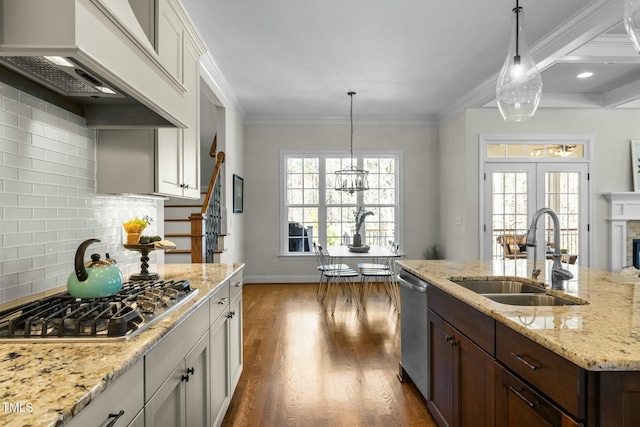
412,282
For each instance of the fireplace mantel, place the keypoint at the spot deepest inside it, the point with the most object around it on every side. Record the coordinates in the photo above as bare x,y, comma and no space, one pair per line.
623,207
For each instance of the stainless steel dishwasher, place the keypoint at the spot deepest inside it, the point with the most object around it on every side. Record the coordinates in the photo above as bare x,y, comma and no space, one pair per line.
414,340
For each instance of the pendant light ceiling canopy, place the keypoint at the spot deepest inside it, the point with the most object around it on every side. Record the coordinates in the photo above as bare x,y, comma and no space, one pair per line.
519,84
352,179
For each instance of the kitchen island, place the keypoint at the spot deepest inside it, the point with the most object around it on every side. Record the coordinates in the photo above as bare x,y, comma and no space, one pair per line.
47,384
570,365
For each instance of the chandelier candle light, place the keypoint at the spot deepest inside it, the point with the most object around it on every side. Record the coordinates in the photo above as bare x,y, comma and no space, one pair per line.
352,179
519,84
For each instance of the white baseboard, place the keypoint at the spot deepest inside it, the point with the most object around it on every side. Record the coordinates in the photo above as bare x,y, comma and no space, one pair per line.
281,279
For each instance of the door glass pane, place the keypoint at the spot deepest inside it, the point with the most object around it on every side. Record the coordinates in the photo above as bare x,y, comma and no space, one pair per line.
562,195
509,214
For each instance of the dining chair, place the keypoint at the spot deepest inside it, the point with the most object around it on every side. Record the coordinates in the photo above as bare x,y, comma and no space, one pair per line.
322,266
377,264
385,275
342,274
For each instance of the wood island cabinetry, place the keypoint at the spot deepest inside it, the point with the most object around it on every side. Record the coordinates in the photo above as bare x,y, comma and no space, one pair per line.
484,373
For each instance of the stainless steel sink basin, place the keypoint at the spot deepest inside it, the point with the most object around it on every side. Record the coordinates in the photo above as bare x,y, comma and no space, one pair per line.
497,286
529,299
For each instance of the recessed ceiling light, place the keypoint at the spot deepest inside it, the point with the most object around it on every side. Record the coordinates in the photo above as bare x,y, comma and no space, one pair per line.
585,75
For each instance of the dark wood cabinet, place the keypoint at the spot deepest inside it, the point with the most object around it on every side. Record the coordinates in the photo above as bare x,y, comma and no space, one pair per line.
461,377
519,405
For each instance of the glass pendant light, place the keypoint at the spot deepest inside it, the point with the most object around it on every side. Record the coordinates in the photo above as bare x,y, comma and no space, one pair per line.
631,19
352,179
519,84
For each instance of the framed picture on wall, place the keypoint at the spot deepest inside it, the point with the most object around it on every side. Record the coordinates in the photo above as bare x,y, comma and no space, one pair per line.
635,164
238,190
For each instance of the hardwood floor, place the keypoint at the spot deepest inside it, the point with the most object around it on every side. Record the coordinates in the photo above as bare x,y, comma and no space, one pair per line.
305,367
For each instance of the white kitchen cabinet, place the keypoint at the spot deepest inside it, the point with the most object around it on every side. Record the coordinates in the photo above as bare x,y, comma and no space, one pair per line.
163,161
120,402
182,399
170,35
235,341
220,383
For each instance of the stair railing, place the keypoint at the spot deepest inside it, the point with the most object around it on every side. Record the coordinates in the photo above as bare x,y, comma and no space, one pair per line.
206,224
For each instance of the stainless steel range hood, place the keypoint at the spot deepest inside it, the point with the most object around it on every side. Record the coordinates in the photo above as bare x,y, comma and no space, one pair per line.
91,57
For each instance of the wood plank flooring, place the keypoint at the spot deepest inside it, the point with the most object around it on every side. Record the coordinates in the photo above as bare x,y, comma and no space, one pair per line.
305,367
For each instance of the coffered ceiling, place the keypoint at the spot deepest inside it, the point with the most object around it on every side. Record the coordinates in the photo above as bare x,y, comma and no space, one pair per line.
409,61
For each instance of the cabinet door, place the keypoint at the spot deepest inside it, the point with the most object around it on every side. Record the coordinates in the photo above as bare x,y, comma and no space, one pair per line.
169,161
235,341
475,384
167,407
220,384
518,405
441,368
197,363
138,421
169,39
191,134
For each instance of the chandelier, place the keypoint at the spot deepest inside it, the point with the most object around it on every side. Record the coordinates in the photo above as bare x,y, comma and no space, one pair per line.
519,84
352,179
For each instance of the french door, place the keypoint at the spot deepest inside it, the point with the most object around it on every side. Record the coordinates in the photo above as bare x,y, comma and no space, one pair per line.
513,192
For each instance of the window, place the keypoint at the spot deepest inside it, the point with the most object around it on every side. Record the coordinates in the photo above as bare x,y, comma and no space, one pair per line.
313,211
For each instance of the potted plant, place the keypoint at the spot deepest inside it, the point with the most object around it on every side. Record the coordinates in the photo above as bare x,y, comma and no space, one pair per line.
359,216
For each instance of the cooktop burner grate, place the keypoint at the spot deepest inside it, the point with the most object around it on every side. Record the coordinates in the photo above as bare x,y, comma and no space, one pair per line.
118,317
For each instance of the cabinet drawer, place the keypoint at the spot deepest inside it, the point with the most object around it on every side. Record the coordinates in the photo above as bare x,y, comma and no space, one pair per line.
161,360
235,284
219,302
479,327
125,394
517,404
551,374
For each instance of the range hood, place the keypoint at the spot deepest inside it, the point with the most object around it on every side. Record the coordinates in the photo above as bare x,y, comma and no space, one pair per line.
90,57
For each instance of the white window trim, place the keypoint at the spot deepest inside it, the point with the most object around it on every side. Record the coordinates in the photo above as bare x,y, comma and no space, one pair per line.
484,140
322,154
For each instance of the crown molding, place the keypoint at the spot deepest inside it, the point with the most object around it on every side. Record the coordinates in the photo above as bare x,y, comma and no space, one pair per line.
218,83
427,121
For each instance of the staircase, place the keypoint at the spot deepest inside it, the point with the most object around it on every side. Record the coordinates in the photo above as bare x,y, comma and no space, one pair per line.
195,225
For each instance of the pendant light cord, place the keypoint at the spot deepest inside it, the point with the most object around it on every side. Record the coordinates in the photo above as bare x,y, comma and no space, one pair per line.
351,115
517,11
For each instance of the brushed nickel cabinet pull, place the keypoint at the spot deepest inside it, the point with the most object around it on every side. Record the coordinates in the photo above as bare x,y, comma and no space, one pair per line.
523,360
518,392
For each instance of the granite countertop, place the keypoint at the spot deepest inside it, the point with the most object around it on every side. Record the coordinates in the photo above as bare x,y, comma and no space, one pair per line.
46,383
603,335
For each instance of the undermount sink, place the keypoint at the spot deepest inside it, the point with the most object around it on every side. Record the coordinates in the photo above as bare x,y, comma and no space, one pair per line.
529,299
497,286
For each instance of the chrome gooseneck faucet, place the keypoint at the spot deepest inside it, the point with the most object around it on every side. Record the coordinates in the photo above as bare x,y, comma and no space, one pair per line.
558,274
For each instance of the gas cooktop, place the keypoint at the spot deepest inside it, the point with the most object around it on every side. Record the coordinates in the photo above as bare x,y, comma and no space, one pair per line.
120,317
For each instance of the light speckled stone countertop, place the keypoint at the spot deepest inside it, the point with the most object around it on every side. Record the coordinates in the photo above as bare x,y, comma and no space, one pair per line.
603,335
50,381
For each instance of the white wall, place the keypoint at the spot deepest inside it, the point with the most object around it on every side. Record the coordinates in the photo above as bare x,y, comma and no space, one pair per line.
262,184
611,131
48,204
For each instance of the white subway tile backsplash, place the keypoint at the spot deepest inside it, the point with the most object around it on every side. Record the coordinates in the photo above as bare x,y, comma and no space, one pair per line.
48,204
34,201
32,225
17,239
18,187
29,125
31,251
17,107
16,134
9,253
7,146
17,265
8,172
31,176
18,213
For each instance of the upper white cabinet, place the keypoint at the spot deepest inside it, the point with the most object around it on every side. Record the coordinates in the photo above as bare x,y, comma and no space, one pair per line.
163,161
